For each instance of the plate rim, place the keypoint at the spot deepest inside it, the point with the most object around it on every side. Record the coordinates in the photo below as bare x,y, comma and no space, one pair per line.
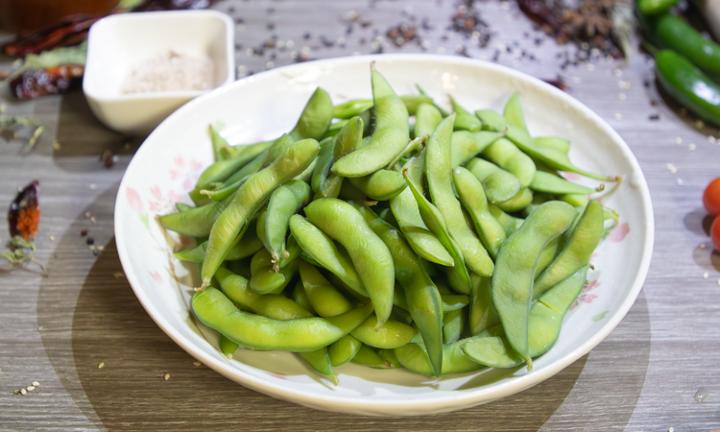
455,401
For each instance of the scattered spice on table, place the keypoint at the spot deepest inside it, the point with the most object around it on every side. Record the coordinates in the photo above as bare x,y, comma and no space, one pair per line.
23,219
467,21
16,126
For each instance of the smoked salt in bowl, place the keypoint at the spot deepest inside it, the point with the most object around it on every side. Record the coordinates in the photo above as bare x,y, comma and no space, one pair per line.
268,104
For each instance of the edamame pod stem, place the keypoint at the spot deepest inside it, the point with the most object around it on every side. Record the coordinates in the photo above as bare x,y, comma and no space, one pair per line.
277,307
324,298
392,133
414,358
423,299
390,335
287,200
370,257
491,120
458,275
413,146
196,222
552,184
320,361
578,250
508,156
463,119
321,249
472,196
466,145
512,283
343,350
427,118
438,169
381,185
348,140
405,210
315,118
513,112
453,325
545,322
249,198
257,332
558,144
499,185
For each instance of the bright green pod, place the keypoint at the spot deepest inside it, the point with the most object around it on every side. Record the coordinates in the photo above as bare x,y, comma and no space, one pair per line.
547,255
298,295
366,356
559,144
518,202
505,154
577,251
196,222
513,112
315,118
320,361
248,245
218,143
224,191
415,145
324,298
427,118
482,311
392,133
413,102
438,169
181,207
454,302
227,346
463,119
277,307
453,326
321,249
389,357
552,184
381,185
369,255
268,281
351,108
343,350
292,252
287,200
248,200
512,283
414,358
243,173
348,140
324,162
467,145
499,185
221,170
276,149
491,120
509,223
392,334
230,152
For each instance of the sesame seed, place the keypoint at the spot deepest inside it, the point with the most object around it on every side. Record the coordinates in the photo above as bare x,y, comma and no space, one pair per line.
718,282
618,116
56,145
87,214
101,365
702,245
36,384
678,140
167,377
711,139
93,186
590,67
692,147
679,182
705,275
100,247
197,363
52,238
671,168
118,275
30,388
618,73
92,219
23,392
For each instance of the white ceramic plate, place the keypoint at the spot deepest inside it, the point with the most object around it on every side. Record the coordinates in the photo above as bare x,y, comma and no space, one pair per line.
264,106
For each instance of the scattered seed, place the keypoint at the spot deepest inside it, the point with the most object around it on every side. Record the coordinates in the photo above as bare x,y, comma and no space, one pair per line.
692,147
167,377
36,384
654,116
701,394
31,388
622,96
101,365
678,140
56,145
119,275
618,116
90,240
699,124
100,247
197,363
92,219
23,392
702,245
52,238
87,214
679,182
83,232
705,275
671,168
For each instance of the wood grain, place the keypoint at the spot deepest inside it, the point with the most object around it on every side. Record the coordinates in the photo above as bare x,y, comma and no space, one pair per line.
57,330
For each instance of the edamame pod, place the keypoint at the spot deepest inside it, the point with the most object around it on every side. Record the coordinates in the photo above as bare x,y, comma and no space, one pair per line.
559,144
414,358
248,245
427,118
451,302
413,146
181,207
227,346
552,184
499,185
466,145
321,249
324,162
299,296
453,325
518,202
284,202
491,120
381,185
348,140
472,196
366,356
482,311
463,119
324,298
217,142
389,335
320,361
576,253
512,284
509,223
315,118
370,257
392,133
438,170
343,350
248,199
268,281
513,112
257,332
508,156
196,222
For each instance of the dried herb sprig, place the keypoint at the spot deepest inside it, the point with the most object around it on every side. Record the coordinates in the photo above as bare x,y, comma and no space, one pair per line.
10,126
21,250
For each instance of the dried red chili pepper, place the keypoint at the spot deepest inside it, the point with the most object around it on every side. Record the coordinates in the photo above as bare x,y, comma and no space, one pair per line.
66,32
24,213
34,83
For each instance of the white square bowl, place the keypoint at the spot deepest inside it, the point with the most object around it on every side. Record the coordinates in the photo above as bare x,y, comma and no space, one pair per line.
119,42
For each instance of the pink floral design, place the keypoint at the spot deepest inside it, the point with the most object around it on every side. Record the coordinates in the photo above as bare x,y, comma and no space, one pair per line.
584,297
195,165
179,161
174,175
155,275
134,200
619,233
156,192
187,185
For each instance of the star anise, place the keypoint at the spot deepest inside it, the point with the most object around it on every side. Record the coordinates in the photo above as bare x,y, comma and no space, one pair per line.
587,24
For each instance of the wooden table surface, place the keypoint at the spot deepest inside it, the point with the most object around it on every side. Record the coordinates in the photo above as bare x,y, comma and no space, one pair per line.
56,330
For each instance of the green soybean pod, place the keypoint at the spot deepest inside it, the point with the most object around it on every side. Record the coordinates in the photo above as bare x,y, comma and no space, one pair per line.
577,251
413,102
453,302
196,222
482,311
299,296
389,335
320,361
324,162
392,133
251,168
472,196
463,119
518,202
227,346
181,207
351,108
467,145
348,140
513,112
315,117
414,358
343,350
558,144
249,198
248,245
324,298
321,249
576,200
292,252
512,283
509,223
381,185
413,146
405,210
366,356
287,200
499,185
276,149
218,172
453,326
254,331
438,169
508,156
268,281
427,118
552,184
369,255
277,307
491,120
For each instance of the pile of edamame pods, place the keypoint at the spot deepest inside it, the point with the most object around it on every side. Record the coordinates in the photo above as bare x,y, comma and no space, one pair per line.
400,235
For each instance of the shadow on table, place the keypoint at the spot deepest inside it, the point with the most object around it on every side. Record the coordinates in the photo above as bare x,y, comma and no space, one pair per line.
99,319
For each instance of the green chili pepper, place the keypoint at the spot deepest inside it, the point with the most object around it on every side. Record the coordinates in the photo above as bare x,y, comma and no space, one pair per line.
651,7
